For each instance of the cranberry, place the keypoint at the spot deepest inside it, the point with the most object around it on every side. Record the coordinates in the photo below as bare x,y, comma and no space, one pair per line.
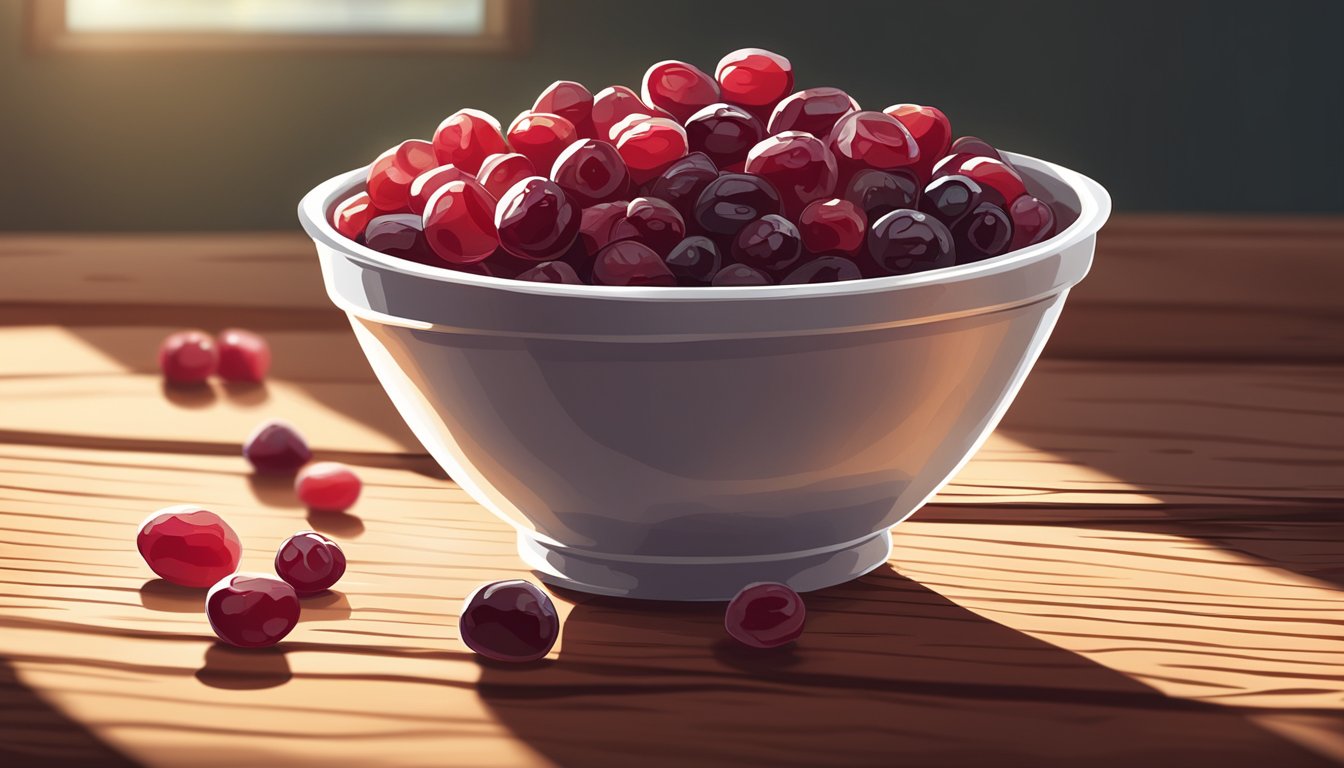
970,145
649,146
732,200
188,357
426,184
683,181
276,446
352,215
679,88
604,224
571,101
823,269
905,241
657,223
551,272
541,137
591,172
1033,221
833,226
243,355
798,165
694,261
188,546
754,78
630,262
310,562
510,621
986,231
995,174
771,243
740,274
460,222
872,140
391,175
814,110
579,259
949,198
535,220
327,486
612,105
252,611
878,192
499,172
765,615
400,235
466,137
724,132
931,130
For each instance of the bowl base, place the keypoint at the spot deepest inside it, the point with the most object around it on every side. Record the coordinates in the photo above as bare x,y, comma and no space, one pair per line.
699,578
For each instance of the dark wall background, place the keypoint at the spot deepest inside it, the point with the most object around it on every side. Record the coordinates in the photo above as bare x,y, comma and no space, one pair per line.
1198,106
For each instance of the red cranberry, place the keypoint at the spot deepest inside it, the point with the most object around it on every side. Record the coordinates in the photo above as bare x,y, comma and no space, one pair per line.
426,184
986,231
657,223
694,261
724,132
499,172
931,130
683,181
391,175
541,137
352,215
571,101
740,274
814,110
679,88
188,357
995,174
649,146
604,224
310,562
188,546
905,241
823,269
878,192
535,220
765,615
460,222
243,355
970,145
400,235
276,446
771,243
872,140
732,200
591,172
754,78
327,486
1033,221
630,262
251,611
832,226
612,105
511,621
798,165
949,198
466,137
551,272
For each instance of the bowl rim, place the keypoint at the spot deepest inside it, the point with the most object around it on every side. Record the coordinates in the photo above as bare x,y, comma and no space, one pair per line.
1094,207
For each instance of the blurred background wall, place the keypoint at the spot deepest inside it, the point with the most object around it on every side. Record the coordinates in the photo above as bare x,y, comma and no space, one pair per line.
1233,105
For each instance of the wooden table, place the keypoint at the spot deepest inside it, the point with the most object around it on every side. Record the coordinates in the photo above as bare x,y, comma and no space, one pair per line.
1142,567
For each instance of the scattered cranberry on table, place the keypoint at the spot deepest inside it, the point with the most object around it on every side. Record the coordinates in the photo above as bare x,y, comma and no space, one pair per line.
251,610
765,615
512,621
243,356
277,447
188,546
327,486
310,562
188,357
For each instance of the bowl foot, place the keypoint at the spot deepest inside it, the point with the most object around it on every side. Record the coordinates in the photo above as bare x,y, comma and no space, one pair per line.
699,578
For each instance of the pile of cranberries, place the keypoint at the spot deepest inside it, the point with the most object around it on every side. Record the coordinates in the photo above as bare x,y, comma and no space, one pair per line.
697,180
192,356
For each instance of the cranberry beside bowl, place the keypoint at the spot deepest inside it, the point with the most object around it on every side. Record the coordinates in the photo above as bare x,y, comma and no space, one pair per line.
676,443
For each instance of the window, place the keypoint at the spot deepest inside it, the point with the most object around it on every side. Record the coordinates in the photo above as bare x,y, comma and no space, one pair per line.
140,25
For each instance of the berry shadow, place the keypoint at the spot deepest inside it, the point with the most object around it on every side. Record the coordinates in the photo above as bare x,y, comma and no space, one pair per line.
342,525
246,392
163,595
244,669
274,490
330,605
192,396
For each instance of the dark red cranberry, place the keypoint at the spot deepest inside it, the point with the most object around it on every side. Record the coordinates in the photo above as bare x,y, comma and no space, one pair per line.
814,110
996,174
251,611
612,105
426,184
536,220
732,200
683,181
460,222
541,136
949,198
504,264
579,259
771,243
243,355
970,145
188,357
310,562
650,145
499,172
400,235
510,621
679,88
657,223
823,269
603,224
765,615
984,232
1033,221
551,272
188,546
754,77
327,486
878,192
741,274
391,175
571,101
466,137
694,261
630,262
905,241
931,130
591,172
833,226
276,446
872,140
352,215
724,132
798,165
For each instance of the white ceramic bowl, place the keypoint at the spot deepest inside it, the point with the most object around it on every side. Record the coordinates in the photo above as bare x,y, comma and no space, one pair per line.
679,443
